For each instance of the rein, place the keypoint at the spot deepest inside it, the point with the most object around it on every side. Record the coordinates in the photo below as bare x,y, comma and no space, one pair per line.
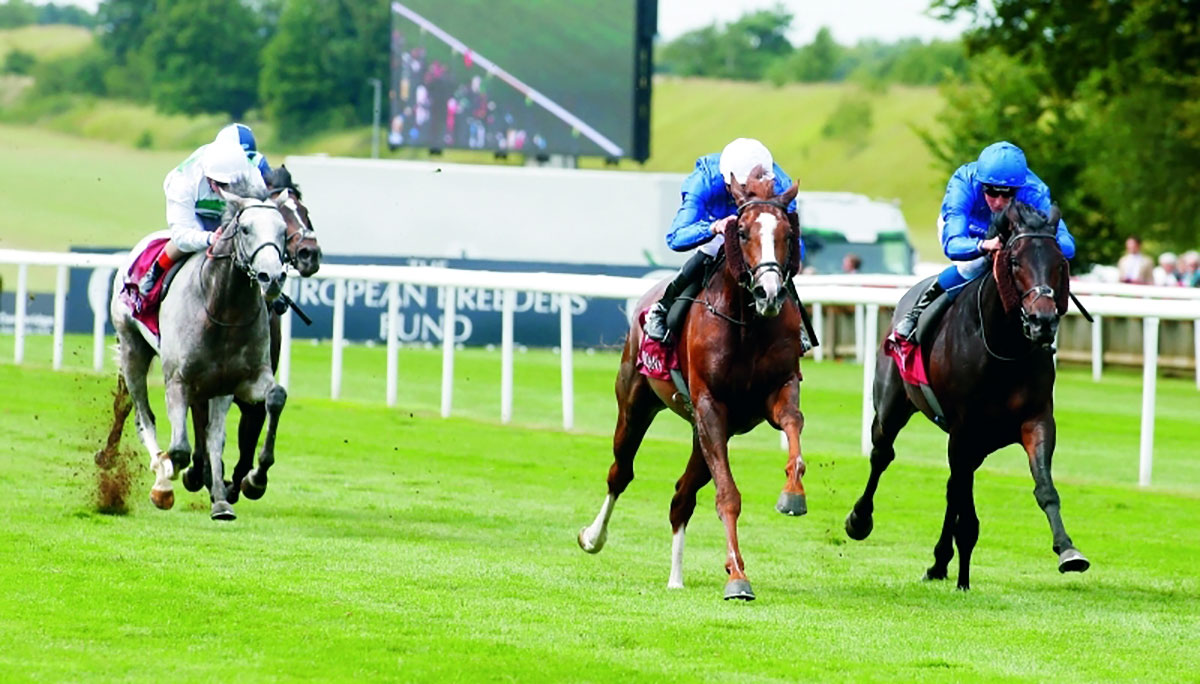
236,255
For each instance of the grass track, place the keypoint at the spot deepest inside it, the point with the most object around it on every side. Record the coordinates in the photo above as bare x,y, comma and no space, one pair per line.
394,545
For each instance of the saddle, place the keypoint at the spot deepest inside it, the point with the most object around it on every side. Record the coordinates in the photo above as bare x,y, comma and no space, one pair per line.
145,308
910,357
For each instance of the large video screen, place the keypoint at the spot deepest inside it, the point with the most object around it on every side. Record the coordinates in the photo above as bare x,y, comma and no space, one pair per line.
529,77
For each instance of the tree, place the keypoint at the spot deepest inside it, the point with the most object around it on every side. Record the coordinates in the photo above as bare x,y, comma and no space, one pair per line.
743,50
204,55
124,25
1114,120
304,89
17,13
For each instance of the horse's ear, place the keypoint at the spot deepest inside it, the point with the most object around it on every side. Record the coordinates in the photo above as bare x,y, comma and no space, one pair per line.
790,194
282,197
1055,215
737,190
227,194
998,226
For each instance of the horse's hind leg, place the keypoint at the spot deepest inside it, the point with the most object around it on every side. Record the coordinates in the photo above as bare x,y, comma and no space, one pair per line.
250,425
122,405
783,409
1038,436
683,504
636,407
218,410
136,356
254,484
892,411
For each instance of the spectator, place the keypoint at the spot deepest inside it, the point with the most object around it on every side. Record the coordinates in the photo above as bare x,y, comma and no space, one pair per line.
1135,267
1166,274
1189,273
851,263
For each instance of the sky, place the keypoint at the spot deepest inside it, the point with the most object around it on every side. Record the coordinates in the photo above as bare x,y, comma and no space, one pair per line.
848,20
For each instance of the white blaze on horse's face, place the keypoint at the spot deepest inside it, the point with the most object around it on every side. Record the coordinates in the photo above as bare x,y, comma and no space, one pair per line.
767,281
261,236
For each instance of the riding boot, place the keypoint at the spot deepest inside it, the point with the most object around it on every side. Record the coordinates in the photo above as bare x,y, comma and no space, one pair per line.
656,318
146,284
907,327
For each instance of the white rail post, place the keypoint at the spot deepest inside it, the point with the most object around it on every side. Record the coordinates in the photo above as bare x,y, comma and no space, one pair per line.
869,339
1196,351
449,312
285,339
393,342
819,327
339,334
1149,381
506,355
60,305
567,347
19,323
98,319
1097,347
859,334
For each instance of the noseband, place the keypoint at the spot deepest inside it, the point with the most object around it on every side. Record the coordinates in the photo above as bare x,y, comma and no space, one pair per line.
748,278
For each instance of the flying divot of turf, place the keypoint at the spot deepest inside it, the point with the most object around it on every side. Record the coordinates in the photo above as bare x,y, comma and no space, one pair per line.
116,469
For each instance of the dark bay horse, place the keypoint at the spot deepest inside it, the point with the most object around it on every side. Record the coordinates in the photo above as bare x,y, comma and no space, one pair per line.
740,354
304,253
214,343
991,369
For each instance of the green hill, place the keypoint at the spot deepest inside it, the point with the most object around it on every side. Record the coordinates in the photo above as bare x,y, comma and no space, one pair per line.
45,42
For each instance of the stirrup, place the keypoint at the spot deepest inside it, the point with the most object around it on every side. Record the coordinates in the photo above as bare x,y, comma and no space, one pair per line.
146,285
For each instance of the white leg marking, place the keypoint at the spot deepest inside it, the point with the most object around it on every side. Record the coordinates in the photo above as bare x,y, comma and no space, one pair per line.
676,581
592,537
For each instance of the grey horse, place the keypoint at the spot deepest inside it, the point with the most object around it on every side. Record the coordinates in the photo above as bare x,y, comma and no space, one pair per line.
214,343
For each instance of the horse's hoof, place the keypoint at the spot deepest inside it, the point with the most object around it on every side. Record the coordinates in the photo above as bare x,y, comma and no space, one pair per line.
933,574
180,460
859,527
232,494
595,545
221,510
1072,561
163,498
192,479
253,491
790,503
739,589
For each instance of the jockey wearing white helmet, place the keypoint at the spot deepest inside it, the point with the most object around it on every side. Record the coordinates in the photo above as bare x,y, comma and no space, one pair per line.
194,201
706,209
241,135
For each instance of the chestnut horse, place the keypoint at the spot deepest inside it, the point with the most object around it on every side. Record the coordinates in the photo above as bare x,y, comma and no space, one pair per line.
991,368
740,354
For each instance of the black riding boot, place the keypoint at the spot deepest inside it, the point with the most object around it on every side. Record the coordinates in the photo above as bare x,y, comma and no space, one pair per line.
907,327
151,276
656,317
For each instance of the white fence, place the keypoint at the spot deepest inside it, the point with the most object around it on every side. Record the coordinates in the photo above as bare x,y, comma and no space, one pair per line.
867,293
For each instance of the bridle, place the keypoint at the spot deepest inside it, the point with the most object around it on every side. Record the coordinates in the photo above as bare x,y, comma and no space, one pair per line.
750,275
241,260
1037,291
304,232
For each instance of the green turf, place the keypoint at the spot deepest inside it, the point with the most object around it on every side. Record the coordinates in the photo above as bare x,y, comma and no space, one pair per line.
395,545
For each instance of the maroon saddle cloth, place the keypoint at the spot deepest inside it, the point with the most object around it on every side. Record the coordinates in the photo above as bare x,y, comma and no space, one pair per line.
655,359
145,309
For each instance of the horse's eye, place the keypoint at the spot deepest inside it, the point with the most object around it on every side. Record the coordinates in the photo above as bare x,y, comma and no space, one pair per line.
245,229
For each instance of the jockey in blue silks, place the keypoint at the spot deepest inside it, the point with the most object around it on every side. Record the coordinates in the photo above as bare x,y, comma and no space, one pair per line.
976,191
706,209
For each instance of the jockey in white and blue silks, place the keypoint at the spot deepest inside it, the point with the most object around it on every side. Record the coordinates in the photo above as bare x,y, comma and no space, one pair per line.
706,209
975,192
194,201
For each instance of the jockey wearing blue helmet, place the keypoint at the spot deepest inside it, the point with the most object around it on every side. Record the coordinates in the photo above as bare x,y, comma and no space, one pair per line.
706,208
976,191
241,135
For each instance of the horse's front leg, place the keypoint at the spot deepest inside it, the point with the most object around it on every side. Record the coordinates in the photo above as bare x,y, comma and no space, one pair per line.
166,466
1038,436
713,432
683,504
194,478
783,411
218,409
254,485
250,425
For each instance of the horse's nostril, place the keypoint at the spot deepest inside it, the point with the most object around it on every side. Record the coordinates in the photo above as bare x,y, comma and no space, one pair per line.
305,253
263,277
760,291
